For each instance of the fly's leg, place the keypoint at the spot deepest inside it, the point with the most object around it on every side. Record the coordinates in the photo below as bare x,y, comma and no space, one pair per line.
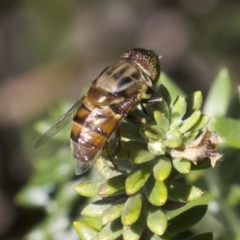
135,119
142,120
152,100
118,143
110,156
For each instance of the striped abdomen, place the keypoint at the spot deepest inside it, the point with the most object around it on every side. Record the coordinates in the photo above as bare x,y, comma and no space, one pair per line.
90,131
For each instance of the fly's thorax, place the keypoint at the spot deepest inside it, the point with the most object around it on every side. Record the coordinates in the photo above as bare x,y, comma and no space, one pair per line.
122,79
98,97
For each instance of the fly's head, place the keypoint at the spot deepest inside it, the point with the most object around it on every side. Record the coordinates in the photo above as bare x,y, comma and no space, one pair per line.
146,60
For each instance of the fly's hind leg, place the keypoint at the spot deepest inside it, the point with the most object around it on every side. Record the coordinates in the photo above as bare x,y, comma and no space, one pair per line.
118,146
118,143
110,156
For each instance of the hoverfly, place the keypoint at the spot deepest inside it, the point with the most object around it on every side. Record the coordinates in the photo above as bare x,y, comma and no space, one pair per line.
98,114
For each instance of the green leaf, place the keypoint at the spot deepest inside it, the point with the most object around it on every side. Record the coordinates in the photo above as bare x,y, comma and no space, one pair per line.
138,152
154,132
137,178
112,185
234,108
130,131
194,102
156,220
218,98
156,192
229,129
111,231
88,188
186,219
179,109
106,168
171,86
84,231
156,237
94,222
203,164
131,210
112,213
174,138
181,192
162,168
134,231
190,121
182,165
161,120
96,208
164,108
157,147
202,236
201,123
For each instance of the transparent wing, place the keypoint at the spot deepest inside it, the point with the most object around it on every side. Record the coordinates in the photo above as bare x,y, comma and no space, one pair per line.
60,124
82,167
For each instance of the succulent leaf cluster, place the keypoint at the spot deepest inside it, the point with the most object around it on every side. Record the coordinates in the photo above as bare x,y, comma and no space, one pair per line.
145,197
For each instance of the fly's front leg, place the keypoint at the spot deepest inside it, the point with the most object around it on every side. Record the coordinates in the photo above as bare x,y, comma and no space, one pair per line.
152,100
156,100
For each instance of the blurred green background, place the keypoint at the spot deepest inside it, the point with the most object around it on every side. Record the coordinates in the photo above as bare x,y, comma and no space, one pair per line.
52,50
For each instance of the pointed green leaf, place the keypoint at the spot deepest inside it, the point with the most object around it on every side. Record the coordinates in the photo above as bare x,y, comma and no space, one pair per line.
161,120
179,109
164,108
96,209
201,123
194,102
84,231
218,98
88,188
94,222
112,213
229,130
171,86
181,192
111,231
202,236
187,219
190,121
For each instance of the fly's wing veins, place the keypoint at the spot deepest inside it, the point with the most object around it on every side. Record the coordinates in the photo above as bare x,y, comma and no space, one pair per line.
59,125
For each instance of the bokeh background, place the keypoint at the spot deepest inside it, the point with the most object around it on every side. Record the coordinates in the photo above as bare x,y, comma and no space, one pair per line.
51,50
